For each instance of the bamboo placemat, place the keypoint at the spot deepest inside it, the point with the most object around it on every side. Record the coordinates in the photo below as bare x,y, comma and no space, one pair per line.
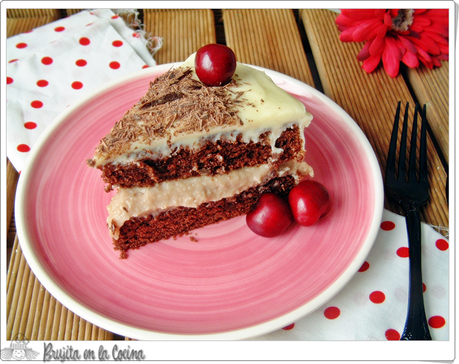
432,88
12,177
33,13
353,89
268,38
72,11
183,32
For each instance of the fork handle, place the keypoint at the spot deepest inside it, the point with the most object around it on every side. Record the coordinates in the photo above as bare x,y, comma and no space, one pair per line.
416,326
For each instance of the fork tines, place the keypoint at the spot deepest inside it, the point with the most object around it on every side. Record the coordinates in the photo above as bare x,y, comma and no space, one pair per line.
391,170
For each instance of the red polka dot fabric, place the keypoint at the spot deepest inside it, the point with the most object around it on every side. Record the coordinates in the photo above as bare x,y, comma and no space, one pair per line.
57,64
373,305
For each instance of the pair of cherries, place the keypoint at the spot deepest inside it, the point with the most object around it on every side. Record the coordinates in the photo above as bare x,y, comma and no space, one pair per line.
307,203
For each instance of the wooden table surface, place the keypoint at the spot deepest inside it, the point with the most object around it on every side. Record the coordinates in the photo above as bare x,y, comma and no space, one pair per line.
301,43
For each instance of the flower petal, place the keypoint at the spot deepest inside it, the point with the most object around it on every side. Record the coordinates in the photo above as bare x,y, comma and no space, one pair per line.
370,64
346,35
436,62
364,30
426,44
444,49
393,47
387,19
382,31
377,46
391,68
428,63
443,57
436,37
420,11
422,54
407,44
358,14
391,57
377,31
416,28
433,13
379,13
421,21
410,60
393,12
433,47
364,52
344,21
441,29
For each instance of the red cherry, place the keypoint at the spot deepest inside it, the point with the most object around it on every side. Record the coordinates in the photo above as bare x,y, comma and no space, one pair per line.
215,64
309,201
270,216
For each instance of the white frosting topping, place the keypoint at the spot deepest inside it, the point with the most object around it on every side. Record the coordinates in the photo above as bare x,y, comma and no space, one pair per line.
270,106
267,107
192,192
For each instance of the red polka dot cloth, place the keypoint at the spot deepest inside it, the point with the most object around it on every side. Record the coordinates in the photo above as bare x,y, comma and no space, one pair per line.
373,306
56,64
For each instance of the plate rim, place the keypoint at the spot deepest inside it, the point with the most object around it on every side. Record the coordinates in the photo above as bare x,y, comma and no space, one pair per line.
110,324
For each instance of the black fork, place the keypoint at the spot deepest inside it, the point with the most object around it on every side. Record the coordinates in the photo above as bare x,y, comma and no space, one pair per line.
403,187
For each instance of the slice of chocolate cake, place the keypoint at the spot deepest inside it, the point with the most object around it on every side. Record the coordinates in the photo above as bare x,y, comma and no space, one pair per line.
188,155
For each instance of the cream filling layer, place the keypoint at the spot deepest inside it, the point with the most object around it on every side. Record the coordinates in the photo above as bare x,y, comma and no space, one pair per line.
192,192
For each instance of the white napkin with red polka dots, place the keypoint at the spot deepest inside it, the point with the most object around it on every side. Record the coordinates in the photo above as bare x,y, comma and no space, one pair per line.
373,306
56,64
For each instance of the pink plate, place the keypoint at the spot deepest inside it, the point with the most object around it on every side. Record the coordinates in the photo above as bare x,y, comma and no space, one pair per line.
230,284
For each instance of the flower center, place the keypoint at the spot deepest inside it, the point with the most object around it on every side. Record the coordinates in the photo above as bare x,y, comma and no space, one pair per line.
403,20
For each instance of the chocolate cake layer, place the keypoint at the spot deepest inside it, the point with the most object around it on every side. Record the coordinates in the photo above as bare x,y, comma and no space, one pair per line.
139,231
219,157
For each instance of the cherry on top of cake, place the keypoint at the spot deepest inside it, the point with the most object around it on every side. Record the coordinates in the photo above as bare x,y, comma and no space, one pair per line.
179,109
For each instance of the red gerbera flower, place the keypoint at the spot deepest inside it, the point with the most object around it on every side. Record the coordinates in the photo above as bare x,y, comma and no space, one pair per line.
396,35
